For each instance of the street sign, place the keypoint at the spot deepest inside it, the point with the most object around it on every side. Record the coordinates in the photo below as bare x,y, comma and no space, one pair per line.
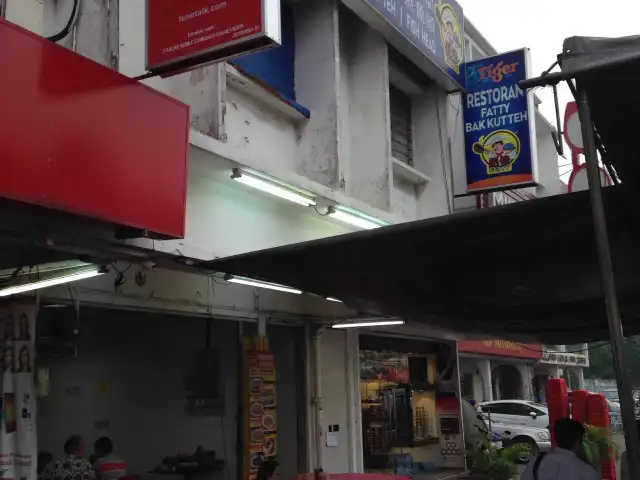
186,34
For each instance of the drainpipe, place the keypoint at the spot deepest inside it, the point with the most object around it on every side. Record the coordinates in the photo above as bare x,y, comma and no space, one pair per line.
316,400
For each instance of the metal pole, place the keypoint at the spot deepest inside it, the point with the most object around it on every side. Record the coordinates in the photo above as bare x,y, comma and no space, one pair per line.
606,272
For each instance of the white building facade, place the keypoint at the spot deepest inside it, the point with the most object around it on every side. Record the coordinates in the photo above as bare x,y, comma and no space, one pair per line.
361,128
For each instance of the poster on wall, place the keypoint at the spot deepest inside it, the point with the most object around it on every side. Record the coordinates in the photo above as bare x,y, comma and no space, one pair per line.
260,416
18,436
431,30
191,33
499,124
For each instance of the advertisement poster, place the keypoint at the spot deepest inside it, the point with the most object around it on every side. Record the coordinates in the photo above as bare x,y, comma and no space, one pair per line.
189,28
18,436
434,27
261,418
499,124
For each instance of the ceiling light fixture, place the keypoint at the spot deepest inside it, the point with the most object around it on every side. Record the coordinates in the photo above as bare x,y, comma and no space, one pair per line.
260,284
331,299
368,323
355,218
272,186
72,277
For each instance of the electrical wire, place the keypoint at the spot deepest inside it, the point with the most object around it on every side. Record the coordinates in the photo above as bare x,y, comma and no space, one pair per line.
445,174
67,28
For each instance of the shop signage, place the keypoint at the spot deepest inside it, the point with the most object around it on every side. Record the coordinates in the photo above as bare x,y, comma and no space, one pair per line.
503,348
428,32
190,33
499,124
564,359
260,405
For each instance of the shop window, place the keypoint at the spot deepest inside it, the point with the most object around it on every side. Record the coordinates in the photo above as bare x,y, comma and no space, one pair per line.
275,67
401,125
406,401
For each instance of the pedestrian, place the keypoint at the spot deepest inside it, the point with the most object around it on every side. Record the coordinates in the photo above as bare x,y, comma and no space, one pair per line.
107,465
44,460
624,463
74,466
269,470
563,462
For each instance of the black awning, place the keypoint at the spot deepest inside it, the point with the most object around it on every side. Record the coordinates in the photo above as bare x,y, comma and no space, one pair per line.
527,271
609,70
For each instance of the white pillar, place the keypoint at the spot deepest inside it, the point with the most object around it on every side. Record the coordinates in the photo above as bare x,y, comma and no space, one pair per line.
485,372
580,374
525,373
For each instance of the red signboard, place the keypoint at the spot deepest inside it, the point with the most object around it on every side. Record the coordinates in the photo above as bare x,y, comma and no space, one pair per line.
503,348
188,33
78,137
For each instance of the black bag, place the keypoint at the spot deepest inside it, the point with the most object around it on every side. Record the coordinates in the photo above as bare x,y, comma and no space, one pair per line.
536,465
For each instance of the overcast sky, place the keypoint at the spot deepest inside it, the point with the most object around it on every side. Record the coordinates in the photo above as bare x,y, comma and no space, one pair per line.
543,25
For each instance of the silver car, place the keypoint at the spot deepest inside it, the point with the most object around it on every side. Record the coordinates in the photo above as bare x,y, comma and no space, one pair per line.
523,421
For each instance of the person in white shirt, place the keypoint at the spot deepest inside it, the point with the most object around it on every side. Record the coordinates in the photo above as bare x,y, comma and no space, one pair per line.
563,462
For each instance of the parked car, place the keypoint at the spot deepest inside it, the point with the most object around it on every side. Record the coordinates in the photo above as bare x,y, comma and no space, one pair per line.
524,422
612,394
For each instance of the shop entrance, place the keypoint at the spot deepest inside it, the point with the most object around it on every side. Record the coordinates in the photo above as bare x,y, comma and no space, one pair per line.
507,383
410,406
166,389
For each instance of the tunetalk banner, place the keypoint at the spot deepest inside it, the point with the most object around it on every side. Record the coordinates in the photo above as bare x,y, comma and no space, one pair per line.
18,434
186,34
503,348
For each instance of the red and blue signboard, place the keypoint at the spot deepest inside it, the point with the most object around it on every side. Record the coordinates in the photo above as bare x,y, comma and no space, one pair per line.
499,124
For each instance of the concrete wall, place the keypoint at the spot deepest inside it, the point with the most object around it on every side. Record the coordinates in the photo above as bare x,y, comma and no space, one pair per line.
28,14
341,400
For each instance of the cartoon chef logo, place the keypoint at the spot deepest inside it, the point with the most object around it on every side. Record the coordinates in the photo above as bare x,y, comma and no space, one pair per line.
451,35
499,150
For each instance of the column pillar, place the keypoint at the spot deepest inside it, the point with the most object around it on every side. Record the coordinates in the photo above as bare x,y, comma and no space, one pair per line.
485,373
580,374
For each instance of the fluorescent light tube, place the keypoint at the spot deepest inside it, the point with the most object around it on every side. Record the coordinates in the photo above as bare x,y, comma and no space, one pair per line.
368,323
331,299
259,284
50,282
360,221
272,188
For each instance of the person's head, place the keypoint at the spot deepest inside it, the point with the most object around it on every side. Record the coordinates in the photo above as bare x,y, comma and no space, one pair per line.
498,146
44,459
568,433
103,446
269,470
74,446
8,359
24,360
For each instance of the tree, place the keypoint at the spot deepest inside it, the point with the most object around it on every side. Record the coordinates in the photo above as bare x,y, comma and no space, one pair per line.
601,360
